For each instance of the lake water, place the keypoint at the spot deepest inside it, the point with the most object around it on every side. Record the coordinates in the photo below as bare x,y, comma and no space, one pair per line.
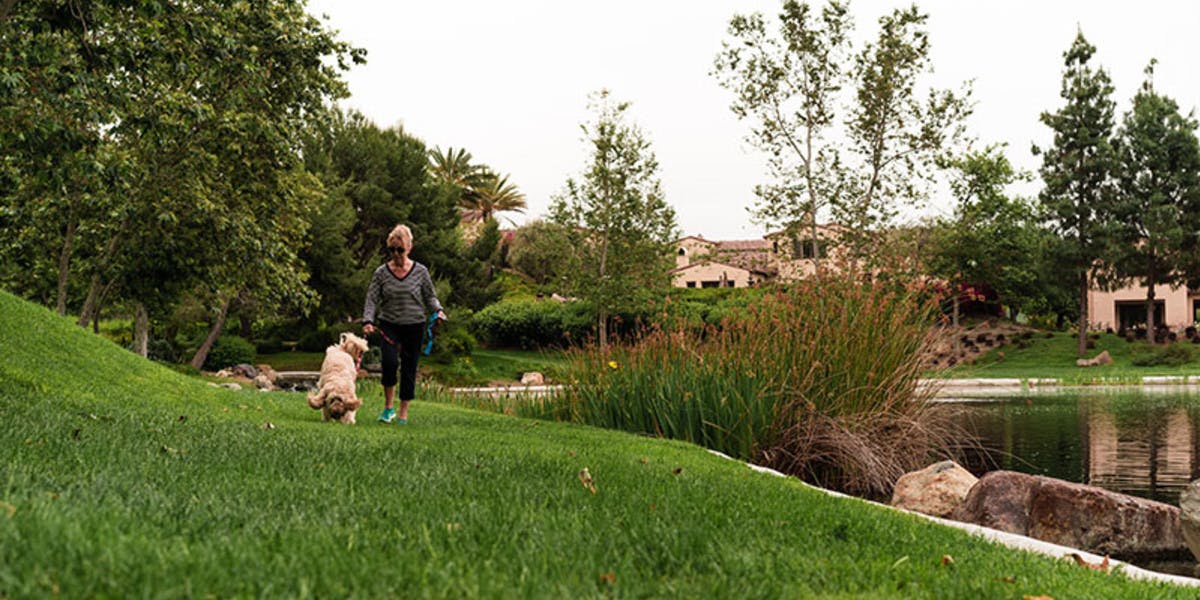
1144,442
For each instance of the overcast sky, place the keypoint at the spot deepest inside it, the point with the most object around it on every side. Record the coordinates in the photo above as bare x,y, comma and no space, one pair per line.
509,80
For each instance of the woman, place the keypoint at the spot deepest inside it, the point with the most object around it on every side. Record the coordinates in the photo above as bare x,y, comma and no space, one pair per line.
399,299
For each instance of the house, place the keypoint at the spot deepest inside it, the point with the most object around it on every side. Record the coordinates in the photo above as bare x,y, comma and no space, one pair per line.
1125,308
785,255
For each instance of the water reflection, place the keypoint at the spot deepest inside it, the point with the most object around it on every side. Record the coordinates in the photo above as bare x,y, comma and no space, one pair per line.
1133,442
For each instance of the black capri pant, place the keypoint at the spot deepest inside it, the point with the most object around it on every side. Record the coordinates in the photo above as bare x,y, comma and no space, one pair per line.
403,350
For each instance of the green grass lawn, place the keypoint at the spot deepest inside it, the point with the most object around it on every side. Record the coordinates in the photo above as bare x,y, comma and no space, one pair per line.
124,479
1055,357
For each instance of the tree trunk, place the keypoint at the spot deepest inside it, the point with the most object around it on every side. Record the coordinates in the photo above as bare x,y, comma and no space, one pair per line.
89,303
603,327
218,326
1151,327
954,321
1083,319
141,331
64,263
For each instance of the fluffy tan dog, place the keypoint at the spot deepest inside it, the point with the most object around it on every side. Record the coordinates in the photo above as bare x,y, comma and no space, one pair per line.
336,397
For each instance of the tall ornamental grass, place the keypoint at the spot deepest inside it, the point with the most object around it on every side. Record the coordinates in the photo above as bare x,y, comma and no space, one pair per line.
818,380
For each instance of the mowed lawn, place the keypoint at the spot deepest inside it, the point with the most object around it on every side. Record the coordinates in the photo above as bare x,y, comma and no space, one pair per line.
1054,357
121,478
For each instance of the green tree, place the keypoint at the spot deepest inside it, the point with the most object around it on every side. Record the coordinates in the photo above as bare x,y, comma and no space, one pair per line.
620,225
1077,171
844,132
993,238
494,194
539,251
1158,201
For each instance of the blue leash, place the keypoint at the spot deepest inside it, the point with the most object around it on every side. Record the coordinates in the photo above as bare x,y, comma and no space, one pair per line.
429,333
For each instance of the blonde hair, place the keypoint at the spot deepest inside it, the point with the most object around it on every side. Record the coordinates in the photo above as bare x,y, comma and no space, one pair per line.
402,235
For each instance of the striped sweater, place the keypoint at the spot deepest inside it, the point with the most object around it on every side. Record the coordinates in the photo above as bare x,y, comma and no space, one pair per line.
400,300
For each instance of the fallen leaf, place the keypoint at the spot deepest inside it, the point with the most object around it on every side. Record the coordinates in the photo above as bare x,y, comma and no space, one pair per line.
1028,597
586,479
900,561
644,460
182,418
947,560
677,471
268,425
1102,566
571,453
170,450
9,509
453,526
609,578
75,434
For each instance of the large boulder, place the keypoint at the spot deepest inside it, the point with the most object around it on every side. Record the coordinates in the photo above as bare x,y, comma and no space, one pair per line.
533,378
1073,514
1189,516
1100,359
935,490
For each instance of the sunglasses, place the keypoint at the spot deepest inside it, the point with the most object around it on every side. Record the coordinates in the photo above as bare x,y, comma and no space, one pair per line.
396,249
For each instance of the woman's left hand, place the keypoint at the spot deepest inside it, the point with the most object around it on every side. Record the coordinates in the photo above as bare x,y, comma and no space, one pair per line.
442,315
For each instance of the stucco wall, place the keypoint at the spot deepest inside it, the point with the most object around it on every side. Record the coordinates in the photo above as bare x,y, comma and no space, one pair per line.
1102,306
712,272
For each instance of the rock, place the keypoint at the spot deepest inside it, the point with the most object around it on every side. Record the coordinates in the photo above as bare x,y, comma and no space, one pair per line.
262,382
268,372
1100,359
935,490
1073,514
532,378
244,370
230,386
224,373
1189,516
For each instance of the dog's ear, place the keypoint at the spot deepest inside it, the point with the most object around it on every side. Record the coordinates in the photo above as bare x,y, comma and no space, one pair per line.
342,339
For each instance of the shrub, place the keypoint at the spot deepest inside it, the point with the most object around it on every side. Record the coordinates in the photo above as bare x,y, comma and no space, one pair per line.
229,350
531,324
320,339
1169,355
819,381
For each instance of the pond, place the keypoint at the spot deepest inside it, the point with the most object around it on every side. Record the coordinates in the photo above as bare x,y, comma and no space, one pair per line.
1138,441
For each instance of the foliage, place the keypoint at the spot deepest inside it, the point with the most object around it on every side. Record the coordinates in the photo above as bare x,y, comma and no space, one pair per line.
1157,208
539,251
819,381
993,239
477,270
1076,170
533,324
844,131
111,459
229,350
1169,355
619,225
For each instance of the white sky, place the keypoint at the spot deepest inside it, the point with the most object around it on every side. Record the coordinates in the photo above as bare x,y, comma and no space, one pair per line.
509,80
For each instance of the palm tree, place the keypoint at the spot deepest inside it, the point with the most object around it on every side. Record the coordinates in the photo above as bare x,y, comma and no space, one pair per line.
493,195
454,167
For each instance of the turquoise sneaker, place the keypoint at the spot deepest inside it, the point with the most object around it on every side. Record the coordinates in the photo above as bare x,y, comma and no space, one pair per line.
389,415
402,421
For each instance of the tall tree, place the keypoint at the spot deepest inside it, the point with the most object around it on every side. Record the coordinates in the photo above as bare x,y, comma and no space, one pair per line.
1077,170
621,225
844,132
787,85
1158,201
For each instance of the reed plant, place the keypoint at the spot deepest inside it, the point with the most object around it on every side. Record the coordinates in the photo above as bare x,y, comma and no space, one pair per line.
818,380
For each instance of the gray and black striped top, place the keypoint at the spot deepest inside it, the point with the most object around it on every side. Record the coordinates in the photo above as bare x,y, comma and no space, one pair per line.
400,300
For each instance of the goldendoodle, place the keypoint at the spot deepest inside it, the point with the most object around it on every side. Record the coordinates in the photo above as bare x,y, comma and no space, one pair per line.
335,396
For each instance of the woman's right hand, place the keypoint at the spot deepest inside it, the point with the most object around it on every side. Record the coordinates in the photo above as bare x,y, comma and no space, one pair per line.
368,329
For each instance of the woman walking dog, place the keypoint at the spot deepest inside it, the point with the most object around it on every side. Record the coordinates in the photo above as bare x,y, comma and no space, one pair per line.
399,299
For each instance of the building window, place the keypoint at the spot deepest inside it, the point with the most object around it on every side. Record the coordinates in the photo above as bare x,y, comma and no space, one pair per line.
691,284
803,248
682,252
710,284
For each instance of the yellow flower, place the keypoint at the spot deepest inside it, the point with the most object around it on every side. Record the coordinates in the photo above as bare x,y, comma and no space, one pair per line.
612,364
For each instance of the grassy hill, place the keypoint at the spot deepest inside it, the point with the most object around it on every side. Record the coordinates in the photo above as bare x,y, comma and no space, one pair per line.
121,479
1054,357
